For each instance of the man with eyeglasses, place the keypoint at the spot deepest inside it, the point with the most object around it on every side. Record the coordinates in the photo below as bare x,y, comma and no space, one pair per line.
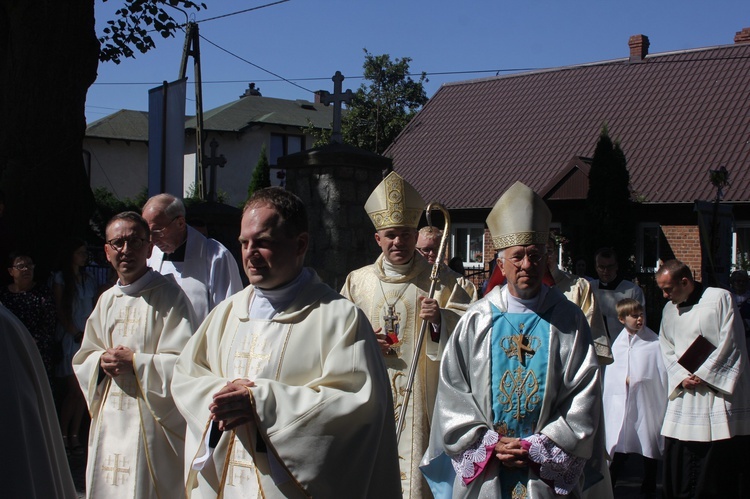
519,398
610,288
202,266
124,366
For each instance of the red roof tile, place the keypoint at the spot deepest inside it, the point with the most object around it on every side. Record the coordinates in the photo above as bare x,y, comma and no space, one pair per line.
676,115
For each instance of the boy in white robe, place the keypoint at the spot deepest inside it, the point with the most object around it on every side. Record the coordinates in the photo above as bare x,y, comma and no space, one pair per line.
635,395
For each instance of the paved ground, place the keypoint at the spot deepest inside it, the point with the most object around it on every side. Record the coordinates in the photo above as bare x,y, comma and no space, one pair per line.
628,486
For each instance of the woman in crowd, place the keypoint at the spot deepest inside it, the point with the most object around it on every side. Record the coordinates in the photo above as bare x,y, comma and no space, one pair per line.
32,303
74,290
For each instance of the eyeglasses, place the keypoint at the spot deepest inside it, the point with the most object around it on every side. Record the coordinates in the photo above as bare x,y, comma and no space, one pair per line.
23,266
132,242
160,232
534,257
425,251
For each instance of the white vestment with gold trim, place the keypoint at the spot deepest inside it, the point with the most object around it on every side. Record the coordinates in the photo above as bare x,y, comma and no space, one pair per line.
322,424
392,302
137,435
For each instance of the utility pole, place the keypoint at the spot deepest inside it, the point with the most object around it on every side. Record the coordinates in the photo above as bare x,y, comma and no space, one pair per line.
192,48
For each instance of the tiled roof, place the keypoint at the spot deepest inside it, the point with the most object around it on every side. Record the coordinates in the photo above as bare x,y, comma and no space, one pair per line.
676,115
122,125
240,114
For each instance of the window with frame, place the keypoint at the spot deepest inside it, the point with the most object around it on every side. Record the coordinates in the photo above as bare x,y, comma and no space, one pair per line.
467,242
284,144
647,253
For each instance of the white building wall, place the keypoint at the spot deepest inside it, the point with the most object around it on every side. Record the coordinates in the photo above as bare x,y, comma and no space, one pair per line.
120,166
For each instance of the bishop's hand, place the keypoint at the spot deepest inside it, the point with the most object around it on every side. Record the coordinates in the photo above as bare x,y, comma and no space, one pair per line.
511,453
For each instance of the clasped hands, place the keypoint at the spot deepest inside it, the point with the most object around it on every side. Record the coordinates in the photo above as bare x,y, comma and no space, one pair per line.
231,405
116,361
691,382
511,453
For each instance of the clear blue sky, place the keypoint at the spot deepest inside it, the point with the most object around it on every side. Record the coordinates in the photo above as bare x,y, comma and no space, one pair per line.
307,41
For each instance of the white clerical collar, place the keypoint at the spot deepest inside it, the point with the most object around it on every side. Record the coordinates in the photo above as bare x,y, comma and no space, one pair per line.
395,270
269,302
138,285
520,306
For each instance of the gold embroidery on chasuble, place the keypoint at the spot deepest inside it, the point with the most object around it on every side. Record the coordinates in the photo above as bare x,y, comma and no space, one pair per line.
519,392
519,492
255,353
127,322
115,469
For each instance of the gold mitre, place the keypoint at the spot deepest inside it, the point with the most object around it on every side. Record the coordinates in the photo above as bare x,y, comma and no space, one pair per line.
394,203
520,217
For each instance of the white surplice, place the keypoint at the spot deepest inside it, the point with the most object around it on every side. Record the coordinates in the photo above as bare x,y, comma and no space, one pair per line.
719,408
137,435
33,462
323,424
634,410
208,275
389,296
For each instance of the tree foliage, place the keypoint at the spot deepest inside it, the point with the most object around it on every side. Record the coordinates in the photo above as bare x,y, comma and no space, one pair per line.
261,174
384,104
135,21
609,221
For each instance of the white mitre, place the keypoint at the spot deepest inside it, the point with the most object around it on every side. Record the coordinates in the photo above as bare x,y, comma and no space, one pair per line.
394,203
519,218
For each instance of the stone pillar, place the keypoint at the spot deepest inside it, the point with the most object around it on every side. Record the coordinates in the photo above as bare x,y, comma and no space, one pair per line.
334,181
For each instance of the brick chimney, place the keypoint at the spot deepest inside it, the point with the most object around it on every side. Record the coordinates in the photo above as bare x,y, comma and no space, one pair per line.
638,47
317,95
742,36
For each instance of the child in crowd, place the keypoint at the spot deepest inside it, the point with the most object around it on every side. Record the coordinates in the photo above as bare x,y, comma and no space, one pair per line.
635,395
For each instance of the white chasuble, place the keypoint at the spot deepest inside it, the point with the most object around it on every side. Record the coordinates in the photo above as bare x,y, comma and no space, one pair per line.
137,435
322,415
392,303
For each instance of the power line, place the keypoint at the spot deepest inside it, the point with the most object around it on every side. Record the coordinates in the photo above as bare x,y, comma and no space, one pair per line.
242,11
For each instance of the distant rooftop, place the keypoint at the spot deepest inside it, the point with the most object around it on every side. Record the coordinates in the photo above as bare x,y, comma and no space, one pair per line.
677,115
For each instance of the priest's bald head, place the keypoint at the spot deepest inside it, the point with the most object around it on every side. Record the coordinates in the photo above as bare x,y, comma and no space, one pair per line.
274,237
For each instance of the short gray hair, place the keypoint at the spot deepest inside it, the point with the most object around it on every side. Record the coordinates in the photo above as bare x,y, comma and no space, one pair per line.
173,206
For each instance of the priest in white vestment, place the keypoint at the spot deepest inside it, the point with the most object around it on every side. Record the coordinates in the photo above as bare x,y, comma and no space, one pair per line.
519,398
124,367
707,423
283,386
33,463
393,293
202,266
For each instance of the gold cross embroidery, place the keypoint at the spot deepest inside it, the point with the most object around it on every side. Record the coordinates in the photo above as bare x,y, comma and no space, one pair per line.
237,461
127,321
249,356
115,470
121,400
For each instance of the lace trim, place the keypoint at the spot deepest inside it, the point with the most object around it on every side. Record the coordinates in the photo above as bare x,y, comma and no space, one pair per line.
473,460
556,467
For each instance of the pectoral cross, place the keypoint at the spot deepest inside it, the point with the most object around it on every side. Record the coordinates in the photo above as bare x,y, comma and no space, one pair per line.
116,469
391,321
522,345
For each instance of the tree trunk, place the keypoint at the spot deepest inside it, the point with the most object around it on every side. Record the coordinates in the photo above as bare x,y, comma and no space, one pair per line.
48,60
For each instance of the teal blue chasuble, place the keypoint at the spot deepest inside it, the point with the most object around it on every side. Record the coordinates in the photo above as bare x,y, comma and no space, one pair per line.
519,357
